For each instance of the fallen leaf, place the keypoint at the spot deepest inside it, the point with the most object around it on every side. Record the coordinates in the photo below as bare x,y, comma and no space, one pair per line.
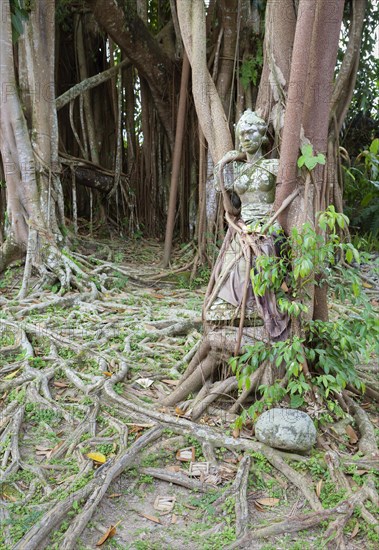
11,375
189,506
355,530
109,533
186,455
115,495
157,296
171,382
136,428
362,472
12,498
164,503
60,384
179,411
267,501
173,468
319,487
107,373
97,457
145,382
366,285
236,433
198,469
174,518
353,437
151,518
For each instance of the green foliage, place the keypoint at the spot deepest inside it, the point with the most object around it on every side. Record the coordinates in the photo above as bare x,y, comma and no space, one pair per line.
308,159
251,68
330,350
20,10
365,98
362,190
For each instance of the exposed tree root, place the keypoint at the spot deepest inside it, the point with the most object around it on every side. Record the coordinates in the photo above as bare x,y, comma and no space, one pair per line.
93,493
76,381
305,521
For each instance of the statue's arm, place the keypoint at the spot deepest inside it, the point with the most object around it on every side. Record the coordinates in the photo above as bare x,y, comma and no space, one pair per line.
273,167
226,164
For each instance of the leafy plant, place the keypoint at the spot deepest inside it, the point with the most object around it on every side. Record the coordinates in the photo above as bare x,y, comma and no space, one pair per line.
308,159
251,68
323,354
362,190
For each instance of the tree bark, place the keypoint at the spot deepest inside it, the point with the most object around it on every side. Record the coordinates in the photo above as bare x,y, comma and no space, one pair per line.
208,105
180,123
127,29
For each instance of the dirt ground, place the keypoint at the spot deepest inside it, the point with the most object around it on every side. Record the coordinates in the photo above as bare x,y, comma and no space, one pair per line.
61,399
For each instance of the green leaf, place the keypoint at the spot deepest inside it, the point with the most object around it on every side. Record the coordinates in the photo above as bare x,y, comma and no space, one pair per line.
307,150
310,163
374,147
301,161
296,401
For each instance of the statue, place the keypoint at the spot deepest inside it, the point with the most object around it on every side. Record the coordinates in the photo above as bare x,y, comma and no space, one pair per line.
232,315
253,181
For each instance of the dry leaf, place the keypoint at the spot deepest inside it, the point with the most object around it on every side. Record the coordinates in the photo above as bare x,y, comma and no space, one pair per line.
174,518
179,411
145,382
107,373
151,518
157,296
60,384
11,375
164,503
108,534
97,457
319,487
351,434
186,455
171,382
366,285
355,530
284,287
12,498
236,433
174,468
267,501
362,472
115,495
197,469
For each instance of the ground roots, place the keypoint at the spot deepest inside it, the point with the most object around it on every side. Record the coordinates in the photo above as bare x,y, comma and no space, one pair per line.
70,387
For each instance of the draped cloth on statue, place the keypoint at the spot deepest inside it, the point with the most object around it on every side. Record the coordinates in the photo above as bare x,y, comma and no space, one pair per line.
228,286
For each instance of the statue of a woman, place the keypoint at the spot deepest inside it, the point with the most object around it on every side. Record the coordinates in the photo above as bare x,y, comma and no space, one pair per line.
230,291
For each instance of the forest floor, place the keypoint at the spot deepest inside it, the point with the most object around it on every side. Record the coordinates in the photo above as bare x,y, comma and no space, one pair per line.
88,453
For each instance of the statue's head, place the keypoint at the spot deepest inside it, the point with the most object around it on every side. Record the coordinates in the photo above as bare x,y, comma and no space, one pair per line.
251,131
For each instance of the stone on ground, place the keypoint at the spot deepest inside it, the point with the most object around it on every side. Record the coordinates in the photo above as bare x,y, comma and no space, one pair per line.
287,429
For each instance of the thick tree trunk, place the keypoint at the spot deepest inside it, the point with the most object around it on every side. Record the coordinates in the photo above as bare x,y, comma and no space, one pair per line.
277,50
34,193
23,207
208,105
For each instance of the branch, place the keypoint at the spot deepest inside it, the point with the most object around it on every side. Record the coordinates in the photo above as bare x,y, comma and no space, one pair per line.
88,84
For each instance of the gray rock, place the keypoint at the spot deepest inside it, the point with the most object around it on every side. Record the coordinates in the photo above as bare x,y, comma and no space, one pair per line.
287,429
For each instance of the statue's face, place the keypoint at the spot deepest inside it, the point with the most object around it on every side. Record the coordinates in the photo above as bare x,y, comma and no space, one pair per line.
250,137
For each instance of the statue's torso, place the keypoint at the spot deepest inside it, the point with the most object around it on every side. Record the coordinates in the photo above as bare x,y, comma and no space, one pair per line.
255,186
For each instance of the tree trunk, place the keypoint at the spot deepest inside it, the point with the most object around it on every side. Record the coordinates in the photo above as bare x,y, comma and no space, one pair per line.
208,105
